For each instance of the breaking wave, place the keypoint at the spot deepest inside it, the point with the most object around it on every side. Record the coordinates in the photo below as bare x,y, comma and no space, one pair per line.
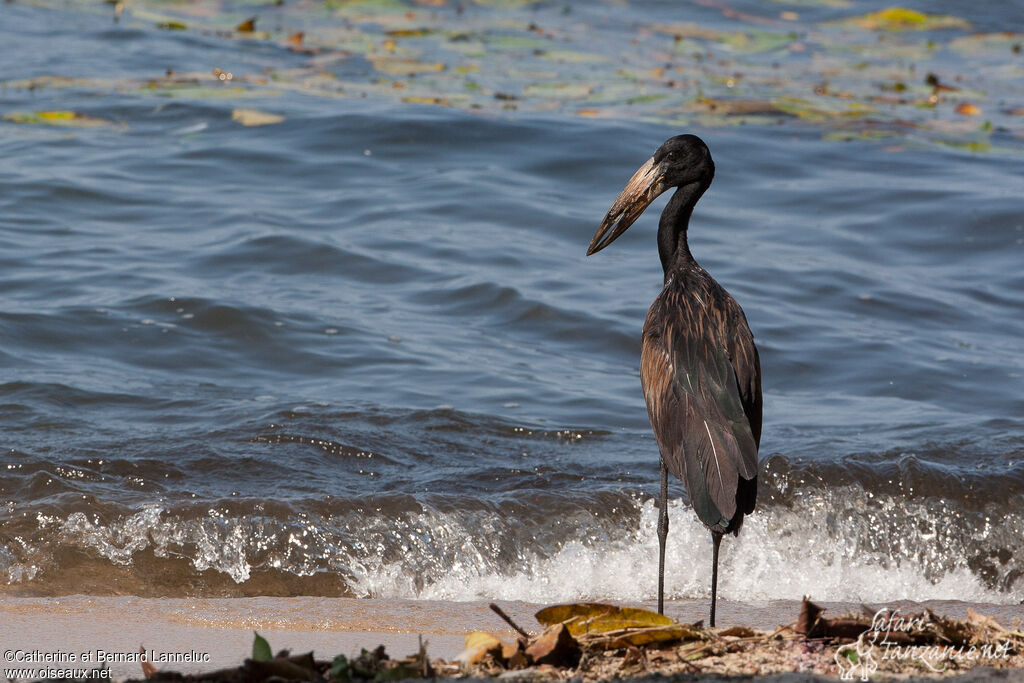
838,543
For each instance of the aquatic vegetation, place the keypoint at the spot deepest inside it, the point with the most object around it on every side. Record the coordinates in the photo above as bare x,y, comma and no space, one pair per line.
255,117
57,118
862,72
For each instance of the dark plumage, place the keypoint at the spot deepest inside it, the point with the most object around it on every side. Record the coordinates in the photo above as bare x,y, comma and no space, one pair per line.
699,367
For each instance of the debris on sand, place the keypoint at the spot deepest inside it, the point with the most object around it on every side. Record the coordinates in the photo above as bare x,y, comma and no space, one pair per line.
599,642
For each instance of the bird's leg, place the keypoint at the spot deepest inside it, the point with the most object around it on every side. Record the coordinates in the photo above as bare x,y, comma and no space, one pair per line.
662,535
716,539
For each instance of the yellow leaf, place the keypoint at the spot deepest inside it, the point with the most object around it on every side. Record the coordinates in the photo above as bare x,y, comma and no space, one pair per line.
638,637
903,19
478,645
255,117
593,617
967,109
247,26
57,118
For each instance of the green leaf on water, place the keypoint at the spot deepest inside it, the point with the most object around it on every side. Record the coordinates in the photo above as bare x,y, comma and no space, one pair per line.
757,41
570,91
261,649
404,66
573,57
994,44
172,25
515,42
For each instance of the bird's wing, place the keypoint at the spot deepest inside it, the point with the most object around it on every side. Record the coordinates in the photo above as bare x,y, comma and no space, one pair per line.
696,403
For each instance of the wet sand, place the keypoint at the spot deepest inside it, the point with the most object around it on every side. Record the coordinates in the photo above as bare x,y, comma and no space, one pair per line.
217,633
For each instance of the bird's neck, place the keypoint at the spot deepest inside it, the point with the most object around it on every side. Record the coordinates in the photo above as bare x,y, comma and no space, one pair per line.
675,219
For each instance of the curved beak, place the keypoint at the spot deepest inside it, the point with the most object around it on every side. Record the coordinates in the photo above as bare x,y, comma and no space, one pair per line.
642,189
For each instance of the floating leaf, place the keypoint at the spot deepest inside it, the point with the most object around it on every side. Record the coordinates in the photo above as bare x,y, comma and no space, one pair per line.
708,105
255,117
515,42
408,32
967,109
420,99
57,118
988,43
757,41
573,57
903,19
559,90
404,66
172,25
247,26
261,649
687,30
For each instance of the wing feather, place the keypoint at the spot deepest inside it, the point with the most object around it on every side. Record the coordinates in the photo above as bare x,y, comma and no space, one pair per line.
701,379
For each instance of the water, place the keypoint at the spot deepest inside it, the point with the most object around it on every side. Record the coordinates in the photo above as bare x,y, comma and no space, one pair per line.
360,352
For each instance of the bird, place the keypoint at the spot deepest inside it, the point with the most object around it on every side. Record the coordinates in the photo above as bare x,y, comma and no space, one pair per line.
699,368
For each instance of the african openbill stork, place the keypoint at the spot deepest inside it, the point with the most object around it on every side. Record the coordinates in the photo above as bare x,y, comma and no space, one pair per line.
699,368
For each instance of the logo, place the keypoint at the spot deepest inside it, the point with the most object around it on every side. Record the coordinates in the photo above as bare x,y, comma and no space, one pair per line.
893,637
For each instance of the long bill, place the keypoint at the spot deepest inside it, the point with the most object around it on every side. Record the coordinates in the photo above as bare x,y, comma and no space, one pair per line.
642,189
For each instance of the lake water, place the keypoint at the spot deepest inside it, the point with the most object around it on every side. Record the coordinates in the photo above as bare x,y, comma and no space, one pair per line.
357,350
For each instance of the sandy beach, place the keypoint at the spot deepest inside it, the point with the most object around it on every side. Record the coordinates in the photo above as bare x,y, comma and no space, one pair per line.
194,635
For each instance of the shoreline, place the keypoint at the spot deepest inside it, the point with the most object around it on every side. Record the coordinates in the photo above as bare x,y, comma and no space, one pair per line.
208,634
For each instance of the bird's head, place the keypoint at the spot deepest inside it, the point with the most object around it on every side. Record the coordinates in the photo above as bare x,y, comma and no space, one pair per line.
680,161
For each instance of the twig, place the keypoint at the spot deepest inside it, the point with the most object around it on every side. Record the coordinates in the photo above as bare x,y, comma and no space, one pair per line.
508,620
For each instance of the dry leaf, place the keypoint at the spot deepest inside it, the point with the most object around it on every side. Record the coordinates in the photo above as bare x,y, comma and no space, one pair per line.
479,644
595,617
637,637
738,632
556,647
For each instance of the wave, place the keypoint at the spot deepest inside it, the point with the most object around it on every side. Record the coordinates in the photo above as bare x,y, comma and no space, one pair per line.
841,543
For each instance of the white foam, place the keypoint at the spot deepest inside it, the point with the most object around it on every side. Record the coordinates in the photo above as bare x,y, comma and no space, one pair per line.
220,542
780,554
835,543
